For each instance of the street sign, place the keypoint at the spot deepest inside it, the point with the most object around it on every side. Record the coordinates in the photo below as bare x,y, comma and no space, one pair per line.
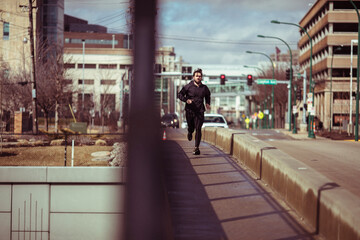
312,111
261,115
266,81
294,109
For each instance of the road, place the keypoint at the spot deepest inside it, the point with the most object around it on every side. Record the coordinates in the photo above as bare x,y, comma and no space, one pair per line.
337,160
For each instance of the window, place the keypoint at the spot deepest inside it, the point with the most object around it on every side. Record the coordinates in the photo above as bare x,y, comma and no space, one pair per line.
108,82
341,96
345,27
69,65
107,102
67,81
90,65
93,41
88,101
107,66
86,81
6,31
125,66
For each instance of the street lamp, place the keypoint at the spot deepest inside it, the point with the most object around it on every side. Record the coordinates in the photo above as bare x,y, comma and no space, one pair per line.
262,71
266,121
272,91
331,93
83,73
311,90
291,76
357,77
295,127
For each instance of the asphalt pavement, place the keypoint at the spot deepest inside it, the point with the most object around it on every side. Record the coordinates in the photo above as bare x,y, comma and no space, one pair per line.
338,160
212,197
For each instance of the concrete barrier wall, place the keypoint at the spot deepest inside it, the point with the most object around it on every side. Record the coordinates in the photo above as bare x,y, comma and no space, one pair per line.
61,203
209,133
331,210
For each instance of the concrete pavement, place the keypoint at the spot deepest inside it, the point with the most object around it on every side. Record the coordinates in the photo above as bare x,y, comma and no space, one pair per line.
213,197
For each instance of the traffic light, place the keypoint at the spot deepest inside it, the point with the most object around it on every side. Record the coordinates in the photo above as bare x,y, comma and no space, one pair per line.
298,94
222,79
249,79
288,74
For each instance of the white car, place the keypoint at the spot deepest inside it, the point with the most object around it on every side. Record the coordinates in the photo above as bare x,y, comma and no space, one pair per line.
214,120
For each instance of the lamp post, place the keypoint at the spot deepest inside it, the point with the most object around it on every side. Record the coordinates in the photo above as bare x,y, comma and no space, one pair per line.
291,75
357,77
265,125
311,89
272,91
295,127
83,73
262,71
331,93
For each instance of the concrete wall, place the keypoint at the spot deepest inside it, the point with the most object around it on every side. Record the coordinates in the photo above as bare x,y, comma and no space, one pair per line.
331,210
61,203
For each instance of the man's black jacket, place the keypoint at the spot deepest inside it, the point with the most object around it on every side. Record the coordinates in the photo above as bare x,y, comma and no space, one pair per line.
196,94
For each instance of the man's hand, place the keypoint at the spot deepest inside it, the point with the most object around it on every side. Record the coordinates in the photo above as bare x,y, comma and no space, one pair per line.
208,106
189,101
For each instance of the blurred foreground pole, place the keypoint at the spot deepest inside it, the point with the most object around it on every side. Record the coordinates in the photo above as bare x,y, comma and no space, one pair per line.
143,212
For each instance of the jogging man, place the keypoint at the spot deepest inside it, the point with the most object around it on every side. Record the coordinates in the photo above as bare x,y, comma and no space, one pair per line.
193,94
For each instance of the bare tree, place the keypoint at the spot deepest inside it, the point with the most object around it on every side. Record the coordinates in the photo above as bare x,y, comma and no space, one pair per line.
263,92
52,90
15,93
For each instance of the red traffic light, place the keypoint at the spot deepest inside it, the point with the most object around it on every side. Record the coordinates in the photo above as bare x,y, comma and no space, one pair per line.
222,79
249,79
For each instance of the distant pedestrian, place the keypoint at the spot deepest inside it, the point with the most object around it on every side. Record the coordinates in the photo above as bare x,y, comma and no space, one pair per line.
194,94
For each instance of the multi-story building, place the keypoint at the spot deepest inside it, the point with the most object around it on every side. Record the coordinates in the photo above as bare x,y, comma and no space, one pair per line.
97,61
48,22
98,65
332,26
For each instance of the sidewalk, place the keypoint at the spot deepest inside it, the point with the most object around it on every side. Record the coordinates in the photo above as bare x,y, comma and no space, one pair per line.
334,135
212,197
299,135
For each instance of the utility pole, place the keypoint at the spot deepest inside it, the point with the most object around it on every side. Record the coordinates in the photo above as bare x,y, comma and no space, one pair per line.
33,71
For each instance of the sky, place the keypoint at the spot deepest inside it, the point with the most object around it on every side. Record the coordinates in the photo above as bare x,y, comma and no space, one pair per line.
216,32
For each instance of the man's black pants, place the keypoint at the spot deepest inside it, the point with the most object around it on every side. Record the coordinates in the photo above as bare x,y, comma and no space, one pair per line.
195,121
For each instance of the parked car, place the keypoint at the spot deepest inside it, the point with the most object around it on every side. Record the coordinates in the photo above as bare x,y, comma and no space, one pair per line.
170,120
214,120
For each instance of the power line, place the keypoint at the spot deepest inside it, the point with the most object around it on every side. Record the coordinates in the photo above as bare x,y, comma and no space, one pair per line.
110,17
194,39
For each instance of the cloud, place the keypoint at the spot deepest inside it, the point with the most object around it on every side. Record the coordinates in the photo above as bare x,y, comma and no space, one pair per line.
208,31
211,28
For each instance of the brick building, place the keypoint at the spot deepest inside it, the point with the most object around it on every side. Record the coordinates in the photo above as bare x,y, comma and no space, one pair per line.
332,26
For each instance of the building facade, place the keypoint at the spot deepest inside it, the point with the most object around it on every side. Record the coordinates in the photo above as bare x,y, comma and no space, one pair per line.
99,67
48,26
332,25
